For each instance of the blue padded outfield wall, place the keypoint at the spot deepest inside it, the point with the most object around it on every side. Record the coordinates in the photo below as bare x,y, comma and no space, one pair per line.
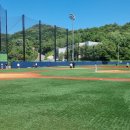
3,64
49,64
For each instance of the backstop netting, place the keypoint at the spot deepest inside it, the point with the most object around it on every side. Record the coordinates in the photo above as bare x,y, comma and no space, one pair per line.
3,36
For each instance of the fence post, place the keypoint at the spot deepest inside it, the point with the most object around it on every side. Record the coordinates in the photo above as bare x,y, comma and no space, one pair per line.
55,43
67,44
23,25
78,52
40,41
0,32
7,35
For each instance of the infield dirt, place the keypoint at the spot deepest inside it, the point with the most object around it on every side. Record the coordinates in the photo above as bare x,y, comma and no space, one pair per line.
9,76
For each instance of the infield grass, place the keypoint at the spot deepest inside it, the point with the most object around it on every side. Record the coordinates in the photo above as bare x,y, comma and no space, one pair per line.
48,104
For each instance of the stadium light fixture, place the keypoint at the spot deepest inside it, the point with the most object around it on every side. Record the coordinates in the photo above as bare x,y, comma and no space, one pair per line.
72,18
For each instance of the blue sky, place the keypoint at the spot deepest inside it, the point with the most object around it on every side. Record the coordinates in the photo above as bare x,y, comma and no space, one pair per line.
89,13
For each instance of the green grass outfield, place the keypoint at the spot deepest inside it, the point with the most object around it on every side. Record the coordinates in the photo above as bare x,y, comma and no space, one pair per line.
54,104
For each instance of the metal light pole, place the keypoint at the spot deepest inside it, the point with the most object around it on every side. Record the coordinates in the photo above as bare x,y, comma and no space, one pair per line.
72,18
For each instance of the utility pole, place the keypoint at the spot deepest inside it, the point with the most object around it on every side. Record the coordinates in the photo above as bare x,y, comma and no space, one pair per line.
118,54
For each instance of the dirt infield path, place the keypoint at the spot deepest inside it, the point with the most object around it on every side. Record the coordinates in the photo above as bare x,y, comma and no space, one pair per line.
9,76
18,75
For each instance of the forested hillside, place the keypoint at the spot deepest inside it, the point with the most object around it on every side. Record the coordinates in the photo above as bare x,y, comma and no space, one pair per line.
114,41
32,42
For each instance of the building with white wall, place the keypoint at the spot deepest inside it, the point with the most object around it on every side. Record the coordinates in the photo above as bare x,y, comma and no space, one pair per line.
62,50
88,43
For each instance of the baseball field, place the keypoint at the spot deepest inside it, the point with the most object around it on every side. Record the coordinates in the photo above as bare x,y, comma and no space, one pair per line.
60,98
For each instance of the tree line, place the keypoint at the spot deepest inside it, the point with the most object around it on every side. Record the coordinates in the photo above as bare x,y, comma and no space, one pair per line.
114,41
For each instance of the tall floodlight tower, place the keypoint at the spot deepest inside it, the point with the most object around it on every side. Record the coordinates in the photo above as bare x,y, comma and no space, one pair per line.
72,18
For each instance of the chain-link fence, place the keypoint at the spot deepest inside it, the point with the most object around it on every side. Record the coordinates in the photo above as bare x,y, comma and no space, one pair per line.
2,30
33,40
26,39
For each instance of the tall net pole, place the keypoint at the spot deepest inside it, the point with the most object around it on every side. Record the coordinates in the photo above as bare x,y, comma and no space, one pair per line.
55,43
0,32
67,44
7,35
40,40
23,25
